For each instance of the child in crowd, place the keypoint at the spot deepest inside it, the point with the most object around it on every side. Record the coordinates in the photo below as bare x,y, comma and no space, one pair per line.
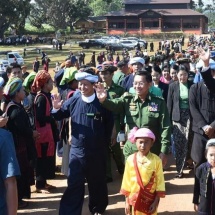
143,180
204,187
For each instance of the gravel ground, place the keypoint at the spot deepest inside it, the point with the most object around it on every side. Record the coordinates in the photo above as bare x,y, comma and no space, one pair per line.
178,200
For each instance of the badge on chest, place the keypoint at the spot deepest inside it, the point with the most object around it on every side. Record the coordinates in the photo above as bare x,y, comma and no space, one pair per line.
95,116
153,107
132,106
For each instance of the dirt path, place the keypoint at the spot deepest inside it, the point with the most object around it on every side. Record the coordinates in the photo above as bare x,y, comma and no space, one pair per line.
178,200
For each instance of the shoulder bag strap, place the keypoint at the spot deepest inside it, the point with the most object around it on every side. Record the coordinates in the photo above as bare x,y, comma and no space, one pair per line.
11,103
47,103
139,180
47,108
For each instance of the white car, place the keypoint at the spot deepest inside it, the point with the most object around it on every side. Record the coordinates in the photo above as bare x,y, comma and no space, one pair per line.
12,57
134,39
130,38
3,65
129,43
110,39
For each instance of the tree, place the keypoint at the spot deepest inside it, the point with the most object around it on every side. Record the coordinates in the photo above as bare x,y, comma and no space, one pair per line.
200,3
58,13
24,8
211,18
78,9
192,5
13,14
101,7
38,14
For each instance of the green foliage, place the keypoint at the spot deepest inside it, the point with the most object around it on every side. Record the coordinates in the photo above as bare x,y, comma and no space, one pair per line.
45,29
58,13
101,7
193,4
211,17
207,9
200,3
13,14
37,15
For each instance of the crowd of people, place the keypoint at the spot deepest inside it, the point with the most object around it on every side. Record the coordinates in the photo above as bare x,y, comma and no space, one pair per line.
136,108
25,40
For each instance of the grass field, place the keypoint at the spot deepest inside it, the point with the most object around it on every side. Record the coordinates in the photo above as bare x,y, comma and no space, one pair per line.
53,54
57,55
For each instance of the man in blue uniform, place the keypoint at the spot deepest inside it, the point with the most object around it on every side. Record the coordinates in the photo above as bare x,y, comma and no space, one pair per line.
91,131
9,169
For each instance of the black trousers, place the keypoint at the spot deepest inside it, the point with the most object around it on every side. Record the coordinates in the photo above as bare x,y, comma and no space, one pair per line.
92,169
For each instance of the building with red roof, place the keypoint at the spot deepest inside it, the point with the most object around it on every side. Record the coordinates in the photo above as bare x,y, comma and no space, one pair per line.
156,16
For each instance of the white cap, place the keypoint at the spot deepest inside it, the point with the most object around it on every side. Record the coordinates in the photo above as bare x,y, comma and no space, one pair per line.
137,60
210,142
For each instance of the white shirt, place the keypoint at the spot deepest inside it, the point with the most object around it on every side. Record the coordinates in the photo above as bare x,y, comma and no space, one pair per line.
88,99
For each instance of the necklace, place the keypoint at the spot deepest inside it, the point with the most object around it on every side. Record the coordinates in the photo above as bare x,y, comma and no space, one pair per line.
139,158
141,162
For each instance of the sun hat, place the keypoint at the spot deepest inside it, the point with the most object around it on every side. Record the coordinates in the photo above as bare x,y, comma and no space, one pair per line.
140,132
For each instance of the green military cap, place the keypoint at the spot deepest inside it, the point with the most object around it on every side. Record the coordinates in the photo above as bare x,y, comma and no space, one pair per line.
69,75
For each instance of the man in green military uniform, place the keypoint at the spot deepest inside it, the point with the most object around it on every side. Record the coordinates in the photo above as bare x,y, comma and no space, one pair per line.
113,91
142,110
122,71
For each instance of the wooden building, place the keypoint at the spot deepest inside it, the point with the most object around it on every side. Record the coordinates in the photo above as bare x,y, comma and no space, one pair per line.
156,16
92,23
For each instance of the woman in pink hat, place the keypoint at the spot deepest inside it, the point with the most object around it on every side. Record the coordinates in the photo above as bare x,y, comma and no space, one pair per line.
143,179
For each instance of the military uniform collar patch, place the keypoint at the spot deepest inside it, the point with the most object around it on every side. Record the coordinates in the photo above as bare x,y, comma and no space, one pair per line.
148,97
136,98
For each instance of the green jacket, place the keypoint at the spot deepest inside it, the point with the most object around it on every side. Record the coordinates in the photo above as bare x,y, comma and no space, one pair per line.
118,77
116,91
152,114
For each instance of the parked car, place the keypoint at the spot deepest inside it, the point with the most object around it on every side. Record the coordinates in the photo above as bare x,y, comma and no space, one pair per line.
118,46
3,66
2,70
88,43
110,39
129,43
142,43
13,57
4,62
129,38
